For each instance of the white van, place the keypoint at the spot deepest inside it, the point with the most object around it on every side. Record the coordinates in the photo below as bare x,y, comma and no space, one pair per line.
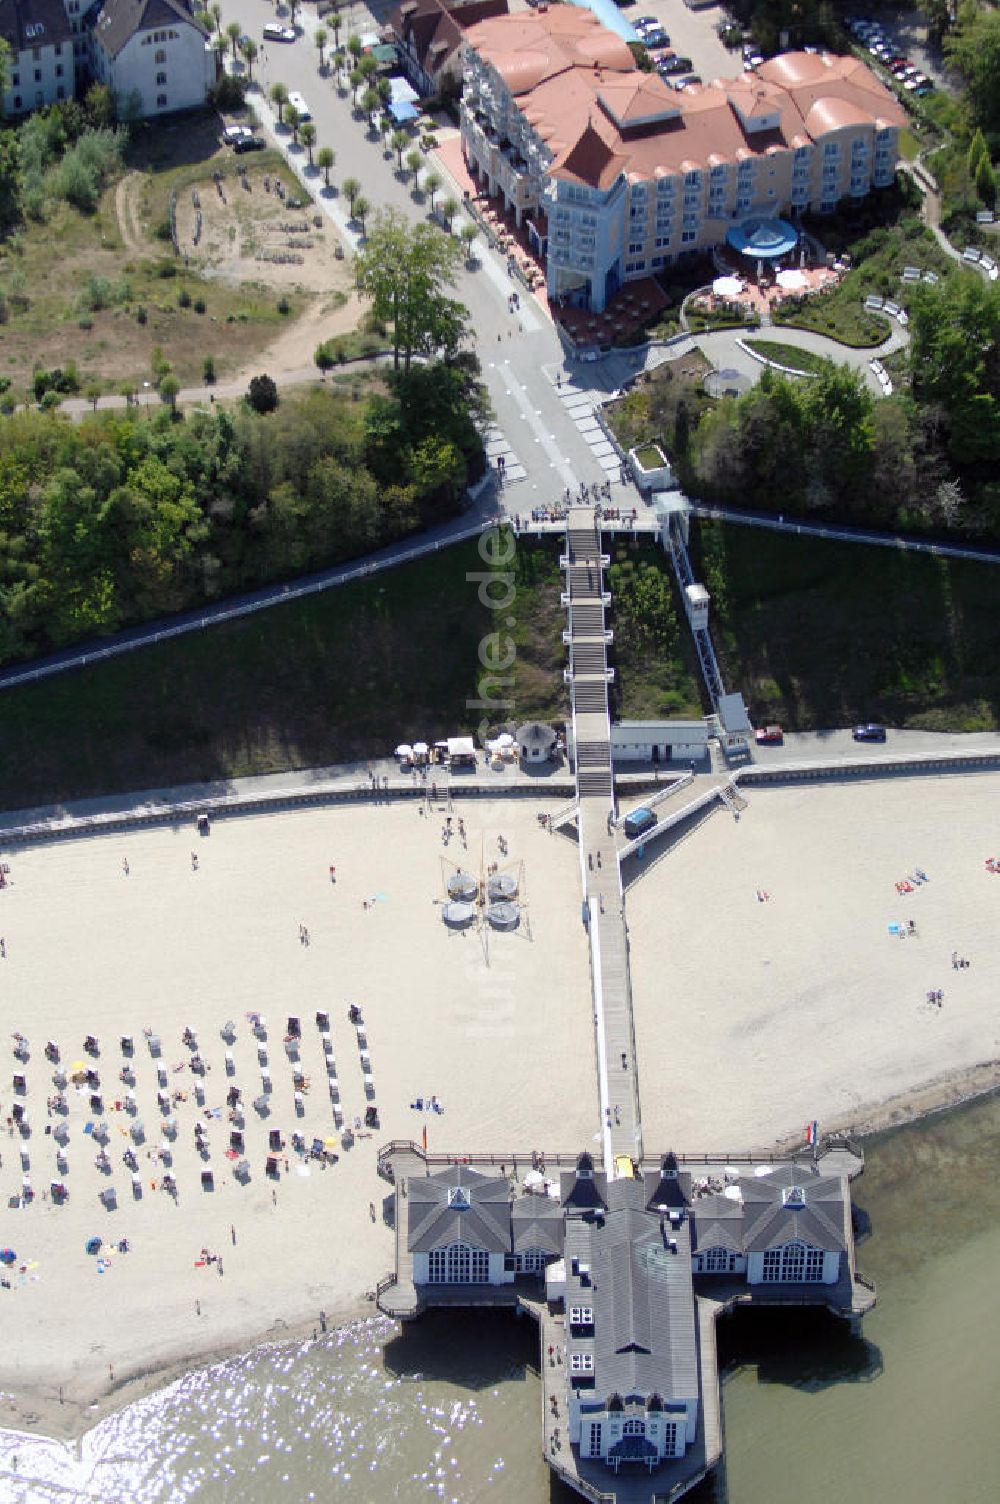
298,103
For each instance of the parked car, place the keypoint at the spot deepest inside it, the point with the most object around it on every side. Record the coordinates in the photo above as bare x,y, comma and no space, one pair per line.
679,65
234,133
769,736
646,23
653,40
869,733
639,822
297,101
688,79
275,33
248,143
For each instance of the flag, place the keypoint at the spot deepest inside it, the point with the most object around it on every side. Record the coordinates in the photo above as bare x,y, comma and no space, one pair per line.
425,1138
812,1133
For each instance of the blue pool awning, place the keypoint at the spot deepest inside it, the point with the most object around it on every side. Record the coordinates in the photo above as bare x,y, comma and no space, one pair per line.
766,239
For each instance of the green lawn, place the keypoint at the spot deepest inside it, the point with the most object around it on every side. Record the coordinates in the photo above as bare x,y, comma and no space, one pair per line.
787,355
823,634
335,677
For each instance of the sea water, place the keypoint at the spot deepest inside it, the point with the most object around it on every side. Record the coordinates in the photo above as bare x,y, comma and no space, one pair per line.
450,1408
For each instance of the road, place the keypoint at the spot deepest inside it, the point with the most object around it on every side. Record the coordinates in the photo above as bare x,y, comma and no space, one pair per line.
513,348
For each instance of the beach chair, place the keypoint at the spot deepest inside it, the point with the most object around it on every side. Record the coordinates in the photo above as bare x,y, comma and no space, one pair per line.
327,1044
137,1187
260,1026
230,1064
261,1054
369,1082
208,1180
300,1105
130,1103
109,1198
155,1047
127,1044
260,1105
323,1022
241,1171
138,1132
228,1031
265,1080
362,1038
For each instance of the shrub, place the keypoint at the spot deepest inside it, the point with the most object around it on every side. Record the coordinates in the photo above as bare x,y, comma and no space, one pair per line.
262,394
284,307
199,305
96,294
141,314
228,93
166,269
208,370
163,231
85,167
50,400
324,357
85,322
184,298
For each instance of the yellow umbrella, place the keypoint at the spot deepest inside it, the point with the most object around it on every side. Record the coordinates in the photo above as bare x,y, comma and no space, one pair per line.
330,1143
79,1068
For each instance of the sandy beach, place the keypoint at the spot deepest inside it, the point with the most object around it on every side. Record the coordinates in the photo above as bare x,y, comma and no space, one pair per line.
756,1014
500,1033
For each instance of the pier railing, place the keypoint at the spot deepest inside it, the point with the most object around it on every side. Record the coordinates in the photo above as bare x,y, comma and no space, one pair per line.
513,1157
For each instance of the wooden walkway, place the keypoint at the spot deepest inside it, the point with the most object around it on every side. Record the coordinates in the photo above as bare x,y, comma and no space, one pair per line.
585,600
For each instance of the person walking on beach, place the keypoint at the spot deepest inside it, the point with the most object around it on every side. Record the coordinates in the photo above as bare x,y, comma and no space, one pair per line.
3,949
125,865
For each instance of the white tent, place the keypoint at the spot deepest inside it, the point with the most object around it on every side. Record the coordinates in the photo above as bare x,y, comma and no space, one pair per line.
727,287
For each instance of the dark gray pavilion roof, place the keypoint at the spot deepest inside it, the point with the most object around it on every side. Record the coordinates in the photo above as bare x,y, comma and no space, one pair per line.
583,1187
119,20
535,734
644,1339
717,1222
668,1186
538,1222
16,16
479,1214
769,1221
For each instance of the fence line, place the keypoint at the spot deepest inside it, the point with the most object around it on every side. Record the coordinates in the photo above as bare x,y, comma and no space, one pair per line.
275,595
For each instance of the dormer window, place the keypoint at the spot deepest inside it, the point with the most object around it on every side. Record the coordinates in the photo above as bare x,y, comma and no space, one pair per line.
581,1315
794,1196
580,1362
458,1198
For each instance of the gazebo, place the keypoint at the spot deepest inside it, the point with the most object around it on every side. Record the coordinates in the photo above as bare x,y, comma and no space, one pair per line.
536,742
763,240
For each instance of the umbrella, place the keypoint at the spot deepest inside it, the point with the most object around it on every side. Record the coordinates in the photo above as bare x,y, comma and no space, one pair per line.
791,281
8,1256
505,739
404,750
533,1177
421,749
727,287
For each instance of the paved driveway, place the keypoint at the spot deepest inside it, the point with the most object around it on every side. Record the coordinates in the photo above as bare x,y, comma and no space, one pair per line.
693,34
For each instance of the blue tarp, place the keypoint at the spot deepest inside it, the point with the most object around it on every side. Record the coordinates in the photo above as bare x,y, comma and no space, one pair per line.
610,16
403,111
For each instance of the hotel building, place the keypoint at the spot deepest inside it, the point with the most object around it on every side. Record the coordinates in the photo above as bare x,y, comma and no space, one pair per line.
615,175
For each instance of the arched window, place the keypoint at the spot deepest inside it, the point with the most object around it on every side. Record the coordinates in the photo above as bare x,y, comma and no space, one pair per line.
161,55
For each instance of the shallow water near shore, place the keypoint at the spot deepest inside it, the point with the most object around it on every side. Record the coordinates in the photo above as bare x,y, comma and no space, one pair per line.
450,1408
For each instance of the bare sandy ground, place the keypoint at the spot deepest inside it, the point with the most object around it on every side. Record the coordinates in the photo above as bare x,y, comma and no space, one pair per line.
502,1036
754,1017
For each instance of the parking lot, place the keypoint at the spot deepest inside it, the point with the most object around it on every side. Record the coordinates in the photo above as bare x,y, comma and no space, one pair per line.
692,34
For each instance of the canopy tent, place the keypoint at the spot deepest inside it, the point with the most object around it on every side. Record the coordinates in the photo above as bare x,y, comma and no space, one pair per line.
403,99
727,287
458,914
791,281
462,885
462,748
404,750
763,239
502,885
402,112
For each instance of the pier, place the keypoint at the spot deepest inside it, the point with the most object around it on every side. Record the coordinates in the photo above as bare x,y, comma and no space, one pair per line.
626,1268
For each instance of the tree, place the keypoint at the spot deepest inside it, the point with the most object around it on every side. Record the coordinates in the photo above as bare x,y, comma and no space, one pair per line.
937,14
335,22
414,162
355,78
248,47
307,135
234,31
974,49
432,182
986,183
279,98
362,208
399,141
369,104
208,370
325,159
168,388
293,120
293,6
262,394
405,271
367,67
321,36
352,188
978,151
449,208
354,45
92,392
467,235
